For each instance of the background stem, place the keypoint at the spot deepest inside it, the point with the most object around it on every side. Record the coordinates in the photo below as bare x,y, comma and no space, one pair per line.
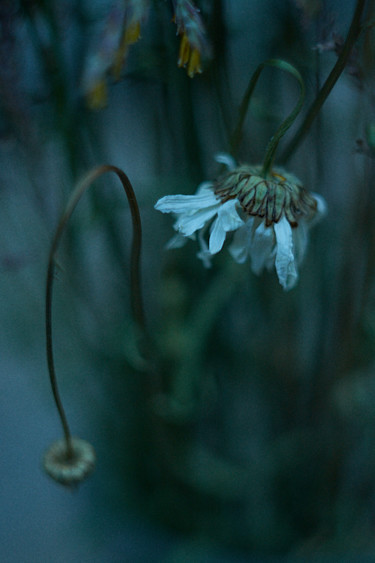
353,34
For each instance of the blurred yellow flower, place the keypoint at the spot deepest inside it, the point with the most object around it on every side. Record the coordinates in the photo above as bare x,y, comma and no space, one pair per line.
193,40
190,57
122,28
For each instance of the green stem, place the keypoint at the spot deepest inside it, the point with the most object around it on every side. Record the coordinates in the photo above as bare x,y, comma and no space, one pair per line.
135,281
273,143
198,328
283,128
353,34
237,133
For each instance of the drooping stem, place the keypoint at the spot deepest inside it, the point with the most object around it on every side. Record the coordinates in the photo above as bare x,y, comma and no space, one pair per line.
237,133
353,34
283,128
274,141
135,281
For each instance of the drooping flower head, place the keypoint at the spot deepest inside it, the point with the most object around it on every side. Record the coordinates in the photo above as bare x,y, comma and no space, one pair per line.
270,217
279,194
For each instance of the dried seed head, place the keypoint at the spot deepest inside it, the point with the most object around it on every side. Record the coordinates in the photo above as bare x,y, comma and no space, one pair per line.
69,467
279,194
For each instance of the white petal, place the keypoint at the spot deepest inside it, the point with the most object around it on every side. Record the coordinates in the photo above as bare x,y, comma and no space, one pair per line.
321,209
239,249
186,203
193,210
262,247
176,242
187,224
204,254
228,215
285,263
227,220
217,237
227,159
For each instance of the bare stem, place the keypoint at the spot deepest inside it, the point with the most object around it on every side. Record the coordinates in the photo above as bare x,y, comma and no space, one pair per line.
353,34
135,281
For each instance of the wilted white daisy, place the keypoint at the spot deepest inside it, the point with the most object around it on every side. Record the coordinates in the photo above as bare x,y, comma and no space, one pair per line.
270,217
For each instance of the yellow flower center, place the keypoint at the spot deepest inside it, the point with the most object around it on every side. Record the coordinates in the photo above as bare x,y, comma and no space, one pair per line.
275,175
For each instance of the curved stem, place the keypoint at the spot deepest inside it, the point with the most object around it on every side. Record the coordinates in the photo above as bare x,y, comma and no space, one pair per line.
353,34
283,128
135,281
272,145
237,133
